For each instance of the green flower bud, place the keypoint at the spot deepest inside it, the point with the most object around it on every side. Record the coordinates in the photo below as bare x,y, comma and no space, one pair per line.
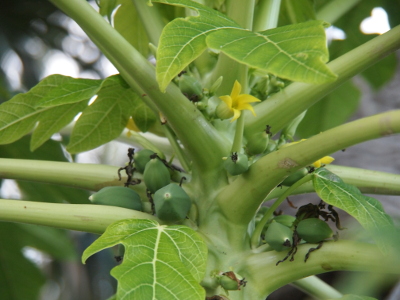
117,196
172,203
313,230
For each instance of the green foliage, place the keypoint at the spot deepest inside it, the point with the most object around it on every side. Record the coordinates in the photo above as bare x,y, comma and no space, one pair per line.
278,51
160,262
368,211
57,99
221,227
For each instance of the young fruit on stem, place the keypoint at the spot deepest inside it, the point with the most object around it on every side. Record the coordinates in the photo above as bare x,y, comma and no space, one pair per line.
172,204
236,164
117,196
156,174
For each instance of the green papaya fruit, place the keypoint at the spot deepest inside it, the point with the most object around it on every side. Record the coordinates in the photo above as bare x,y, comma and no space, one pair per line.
236,164
313,230
278,234
286,220
257,143
117,196
296,176
156,175
141,158
172,203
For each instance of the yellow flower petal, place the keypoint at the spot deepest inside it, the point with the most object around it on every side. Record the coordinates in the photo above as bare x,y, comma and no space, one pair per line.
246,106
244,98
236,115
227,100
236,89
326,160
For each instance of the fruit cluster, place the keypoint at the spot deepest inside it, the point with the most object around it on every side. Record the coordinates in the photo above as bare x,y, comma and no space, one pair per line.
169,200
285,232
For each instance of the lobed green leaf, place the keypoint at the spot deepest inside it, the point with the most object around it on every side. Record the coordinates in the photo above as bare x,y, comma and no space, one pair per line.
183,40
72,91
160,262
103,120
367,210
295,52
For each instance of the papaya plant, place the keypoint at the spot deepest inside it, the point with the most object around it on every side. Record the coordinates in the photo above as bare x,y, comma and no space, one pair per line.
217,128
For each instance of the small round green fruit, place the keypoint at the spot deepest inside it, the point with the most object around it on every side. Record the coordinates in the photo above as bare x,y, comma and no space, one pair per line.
156,175
117,196
313,230
277,235
141,158
172,203
236,164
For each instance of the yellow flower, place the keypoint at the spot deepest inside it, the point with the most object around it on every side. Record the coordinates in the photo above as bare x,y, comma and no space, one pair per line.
237,102
326,160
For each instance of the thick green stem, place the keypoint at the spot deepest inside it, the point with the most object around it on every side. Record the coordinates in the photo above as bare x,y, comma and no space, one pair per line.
238,139
334,10
265,277
188,123
81,217
283,107
265,174
266,15
86,176
317,288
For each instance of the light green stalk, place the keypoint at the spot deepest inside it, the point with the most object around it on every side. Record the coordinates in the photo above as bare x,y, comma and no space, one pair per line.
266,15
82,217
261,270
317,288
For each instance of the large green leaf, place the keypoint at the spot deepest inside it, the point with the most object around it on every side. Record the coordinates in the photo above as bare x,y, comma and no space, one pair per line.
105,119
368,211
331,111
72,91
19,115
160,262
53,120
183,40
295,52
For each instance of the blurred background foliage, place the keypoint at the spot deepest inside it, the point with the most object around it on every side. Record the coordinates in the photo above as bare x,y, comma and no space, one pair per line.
37,40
